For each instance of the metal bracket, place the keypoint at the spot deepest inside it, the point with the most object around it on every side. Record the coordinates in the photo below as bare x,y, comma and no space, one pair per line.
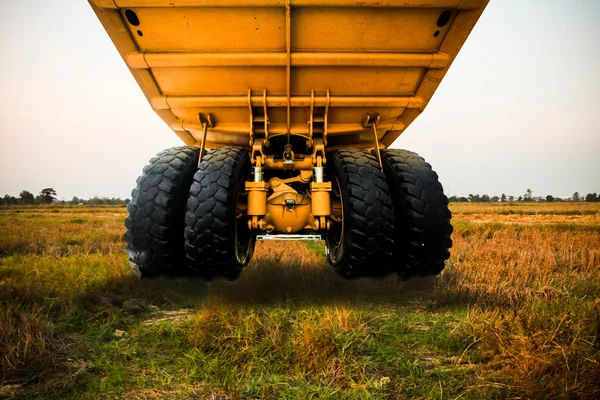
251,131
258,156
318,156
325,119
266,117
206,121
311,118
372,121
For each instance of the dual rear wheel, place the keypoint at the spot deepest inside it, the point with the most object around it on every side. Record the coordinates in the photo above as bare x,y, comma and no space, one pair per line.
189,219
185,218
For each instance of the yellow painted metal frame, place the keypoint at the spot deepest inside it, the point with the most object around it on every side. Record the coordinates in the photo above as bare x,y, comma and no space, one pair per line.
288,67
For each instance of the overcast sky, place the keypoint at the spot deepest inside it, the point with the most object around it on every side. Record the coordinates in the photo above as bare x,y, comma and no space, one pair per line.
518,109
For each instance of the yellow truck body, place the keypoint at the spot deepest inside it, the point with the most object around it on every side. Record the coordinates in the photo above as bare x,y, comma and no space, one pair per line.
295,67
287,109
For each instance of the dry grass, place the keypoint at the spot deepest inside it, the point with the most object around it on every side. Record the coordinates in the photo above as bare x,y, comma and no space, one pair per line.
52,231
317,341
527,208
534,295
516,313
27,344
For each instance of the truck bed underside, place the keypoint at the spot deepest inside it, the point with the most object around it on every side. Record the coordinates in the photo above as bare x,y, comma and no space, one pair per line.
300,67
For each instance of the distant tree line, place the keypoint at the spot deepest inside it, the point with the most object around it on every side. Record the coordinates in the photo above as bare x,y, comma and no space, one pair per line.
528,196
48,196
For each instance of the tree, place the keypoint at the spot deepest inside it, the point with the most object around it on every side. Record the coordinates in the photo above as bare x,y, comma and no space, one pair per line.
520,198
10,200
452,199
549,198
494,199
27,197
576,196
96,200
474,198
503,198
511,198
47,195
528,195
485,198
591,197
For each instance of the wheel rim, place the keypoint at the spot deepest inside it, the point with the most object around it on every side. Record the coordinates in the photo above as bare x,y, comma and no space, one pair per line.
242,235
336,233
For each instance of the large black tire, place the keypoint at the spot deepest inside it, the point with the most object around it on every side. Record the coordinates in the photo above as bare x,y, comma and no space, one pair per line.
156,218
363,244
422,217
217,240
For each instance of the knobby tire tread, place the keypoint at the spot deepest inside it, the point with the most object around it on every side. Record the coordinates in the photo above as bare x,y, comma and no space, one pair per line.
422,217
369,219
211,213
156,212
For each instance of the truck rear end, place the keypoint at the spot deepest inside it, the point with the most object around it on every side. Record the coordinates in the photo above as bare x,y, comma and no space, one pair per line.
287,110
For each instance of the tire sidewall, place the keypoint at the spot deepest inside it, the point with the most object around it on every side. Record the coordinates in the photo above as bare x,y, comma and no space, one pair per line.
241,175
338,255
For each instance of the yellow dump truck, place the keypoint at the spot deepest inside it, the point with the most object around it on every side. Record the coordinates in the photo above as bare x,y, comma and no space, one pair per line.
287,109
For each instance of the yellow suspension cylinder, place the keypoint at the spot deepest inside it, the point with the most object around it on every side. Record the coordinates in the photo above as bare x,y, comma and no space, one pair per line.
321,201
257,198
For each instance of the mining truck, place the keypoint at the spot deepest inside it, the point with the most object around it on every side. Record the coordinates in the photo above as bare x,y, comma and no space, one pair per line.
288,109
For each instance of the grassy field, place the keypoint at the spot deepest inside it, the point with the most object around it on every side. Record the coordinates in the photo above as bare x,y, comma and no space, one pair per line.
515,314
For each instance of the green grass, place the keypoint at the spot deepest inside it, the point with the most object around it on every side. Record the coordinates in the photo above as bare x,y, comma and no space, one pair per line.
515,314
